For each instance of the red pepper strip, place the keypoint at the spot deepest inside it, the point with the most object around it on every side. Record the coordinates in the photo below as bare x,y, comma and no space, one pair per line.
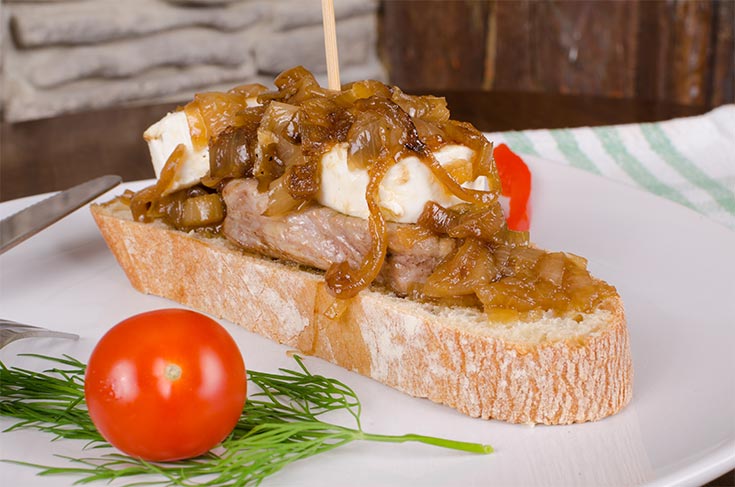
515,182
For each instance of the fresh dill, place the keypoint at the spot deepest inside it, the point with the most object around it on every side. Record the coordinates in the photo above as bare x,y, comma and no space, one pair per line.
279,425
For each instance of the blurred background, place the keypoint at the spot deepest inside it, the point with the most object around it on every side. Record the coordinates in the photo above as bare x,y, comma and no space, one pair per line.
81,79
671,50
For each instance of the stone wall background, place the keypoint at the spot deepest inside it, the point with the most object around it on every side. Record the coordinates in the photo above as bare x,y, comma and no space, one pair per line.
61,56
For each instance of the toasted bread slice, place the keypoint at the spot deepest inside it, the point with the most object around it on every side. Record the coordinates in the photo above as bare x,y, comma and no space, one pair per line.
551,371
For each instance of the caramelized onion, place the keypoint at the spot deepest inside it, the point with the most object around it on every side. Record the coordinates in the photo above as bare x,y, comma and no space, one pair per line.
501,256
191,208
406,236
483,163
249,90
577,260
437,219
470,267
198,211
427,107
186,209
380,130
277,142
232,152
465,194
220,110
280,200
486,223
430,134
303,179
483,223
538,281
281,119
550,267
579,284
142,205
503,302
362,89
525,258
323,124
512,237
197,126
294,86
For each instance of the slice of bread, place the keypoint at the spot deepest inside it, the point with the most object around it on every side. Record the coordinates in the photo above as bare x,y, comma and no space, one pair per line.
551,371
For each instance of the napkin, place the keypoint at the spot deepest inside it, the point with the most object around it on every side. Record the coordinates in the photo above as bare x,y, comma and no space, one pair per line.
690,160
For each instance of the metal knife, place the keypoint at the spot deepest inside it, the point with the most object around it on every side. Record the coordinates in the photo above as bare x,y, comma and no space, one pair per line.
22,225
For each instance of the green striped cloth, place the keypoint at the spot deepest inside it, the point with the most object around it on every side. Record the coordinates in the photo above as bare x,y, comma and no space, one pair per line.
688,160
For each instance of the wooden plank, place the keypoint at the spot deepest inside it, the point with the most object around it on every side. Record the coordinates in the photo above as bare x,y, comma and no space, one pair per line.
509,61
722,83
675,55
651,42
565,46
685,52
692,24
435,45
673,50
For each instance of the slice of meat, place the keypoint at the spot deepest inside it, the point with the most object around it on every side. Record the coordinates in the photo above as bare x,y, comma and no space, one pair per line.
318,236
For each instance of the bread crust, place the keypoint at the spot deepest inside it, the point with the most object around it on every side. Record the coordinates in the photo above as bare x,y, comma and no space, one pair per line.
396,341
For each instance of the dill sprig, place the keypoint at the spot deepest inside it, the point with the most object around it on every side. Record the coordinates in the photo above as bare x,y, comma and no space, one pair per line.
280,424
50,401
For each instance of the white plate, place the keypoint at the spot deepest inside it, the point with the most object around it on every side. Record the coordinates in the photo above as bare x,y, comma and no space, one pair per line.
674,268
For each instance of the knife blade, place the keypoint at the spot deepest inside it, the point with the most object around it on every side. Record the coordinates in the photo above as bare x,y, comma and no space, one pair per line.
29,221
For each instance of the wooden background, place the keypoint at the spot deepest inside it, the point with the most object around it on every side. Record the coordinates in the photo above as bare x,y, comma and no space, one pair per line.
678,51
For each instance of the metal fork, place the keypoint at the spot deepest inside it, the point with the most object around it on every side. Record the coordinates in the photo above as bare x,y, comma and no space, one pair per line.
12,330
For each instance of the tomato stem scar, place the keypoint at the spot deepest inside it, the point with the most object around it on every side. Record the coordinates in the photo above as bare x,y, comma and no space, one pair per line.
172,372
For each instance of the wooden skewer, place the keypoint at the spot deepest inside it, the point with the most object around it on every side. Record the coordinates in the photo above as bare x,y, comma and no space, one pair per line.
330,45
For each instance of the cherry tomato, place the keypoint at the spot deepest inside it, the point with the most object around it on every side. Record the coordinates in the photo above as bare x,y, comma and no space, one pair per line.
165,385
515,182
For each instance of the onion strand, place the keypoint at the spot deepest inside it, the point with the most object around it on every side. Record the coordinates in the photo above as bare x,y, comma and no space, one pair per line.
465,194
